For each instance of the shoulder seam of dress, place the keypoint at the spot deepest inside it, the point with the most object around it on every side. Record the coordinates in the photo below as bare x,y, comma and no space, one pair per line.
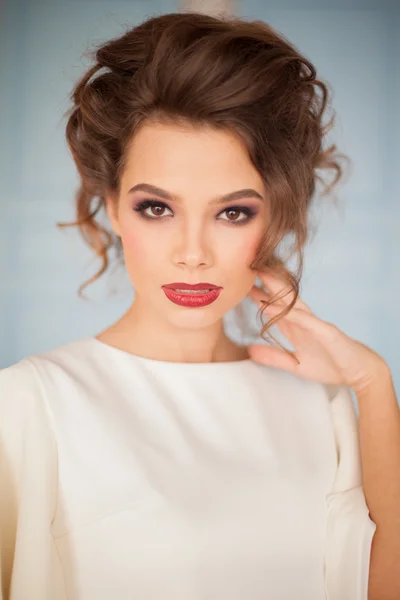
39,381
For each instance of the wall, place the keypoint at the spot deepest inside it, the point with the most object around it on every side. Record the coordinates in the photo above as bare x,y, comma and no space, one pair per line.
352,274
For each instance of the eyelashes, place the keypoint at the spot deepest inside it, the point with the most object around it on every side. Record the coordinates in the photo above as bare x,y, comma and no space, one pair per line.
142,206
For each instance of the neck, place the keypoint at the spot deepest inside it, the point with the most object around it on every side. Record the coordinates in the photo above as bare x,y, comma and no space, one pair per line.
142,334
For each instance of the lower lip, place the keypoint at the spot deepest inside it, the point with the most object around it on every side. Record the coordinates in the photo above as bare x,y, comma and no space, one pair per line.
194,300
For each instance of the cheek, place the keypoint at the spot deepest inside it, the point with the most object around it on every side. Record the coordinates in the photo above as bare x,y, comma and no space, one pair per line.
245,251
140,249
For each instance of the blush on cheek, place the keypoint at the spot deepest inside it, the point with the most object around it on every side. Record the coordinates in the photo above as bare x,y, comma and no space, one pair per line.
134,250
139,249
248,250
134,241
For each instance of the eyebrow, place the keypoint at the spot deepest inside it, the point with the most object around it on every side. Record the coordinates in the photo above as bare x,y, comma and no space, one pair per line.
151,189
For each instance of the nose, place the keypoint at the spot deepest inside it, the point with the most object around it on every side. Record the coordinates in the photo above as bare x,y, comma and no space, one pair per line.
192,247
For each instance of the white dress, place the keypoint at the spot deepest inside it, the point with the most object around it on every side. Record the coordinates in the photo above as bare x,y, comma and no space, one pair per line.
127,478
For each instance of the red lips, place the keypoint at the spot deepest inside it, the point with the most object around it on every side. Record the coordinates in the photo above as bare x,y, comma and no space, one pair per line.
188,286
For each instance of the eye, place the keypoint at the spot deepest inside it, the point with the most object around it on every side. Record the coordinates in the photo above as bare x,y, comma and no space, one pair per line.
234,211
156,207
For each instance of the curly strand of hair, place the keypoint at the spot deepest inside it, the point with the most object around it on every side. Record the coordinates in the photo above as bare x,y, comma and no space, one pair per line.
293,282
93,233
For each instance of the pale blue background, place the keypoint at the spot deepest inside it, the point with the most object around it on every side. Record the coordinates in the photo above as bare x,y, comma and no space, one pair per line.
352,273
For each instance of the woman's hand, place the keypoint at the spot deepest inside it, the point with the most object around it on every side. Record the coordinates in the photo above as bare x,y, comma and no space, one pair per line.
324,353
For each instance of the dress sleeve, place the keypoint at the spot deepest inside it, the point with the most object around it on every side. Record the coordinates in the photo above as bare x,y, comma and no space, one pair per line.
27,486
349,527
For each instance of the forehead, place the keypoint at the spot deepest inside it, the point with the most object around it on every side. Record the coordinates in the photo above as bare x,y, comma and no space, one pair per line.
172,155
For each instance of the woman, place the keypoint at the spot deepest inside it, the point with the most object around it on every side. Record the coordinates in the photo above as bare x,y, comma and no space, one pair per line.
159,458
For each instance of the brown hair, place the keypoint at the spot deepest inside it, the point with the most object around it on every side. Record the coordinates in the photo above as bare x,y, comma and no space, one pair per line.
227,73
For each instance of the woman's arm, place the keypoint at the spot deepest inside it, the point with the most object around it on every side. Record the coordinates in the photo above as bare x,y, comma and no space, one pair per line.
380,457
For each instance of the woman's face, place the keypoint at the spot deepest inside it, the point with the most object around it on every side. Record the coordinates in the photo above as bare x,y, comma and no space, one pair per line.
187,233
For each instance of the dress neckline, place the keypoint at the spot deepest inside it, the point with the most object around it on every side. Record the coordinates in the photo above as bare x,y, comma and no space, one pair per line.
154,362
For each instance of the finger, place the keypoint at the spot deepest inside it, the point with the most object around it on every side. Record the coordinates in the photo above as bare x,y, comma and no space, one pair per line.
299,316
276,285
260,297
288,329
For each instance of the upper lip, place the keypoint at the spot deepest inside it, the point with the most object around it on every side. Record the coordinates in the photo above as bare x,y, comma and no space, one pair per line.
188,286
